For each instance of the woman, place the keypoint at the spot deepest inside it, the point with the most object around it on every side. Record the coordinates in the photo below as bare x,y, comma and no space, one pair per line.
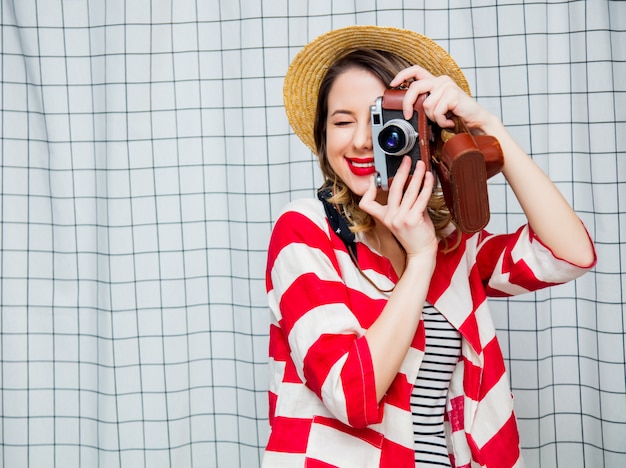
385,354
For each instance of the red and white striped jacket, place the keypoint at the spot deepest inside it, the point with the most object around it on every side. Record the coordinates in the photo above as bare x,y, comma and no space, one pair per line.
323,407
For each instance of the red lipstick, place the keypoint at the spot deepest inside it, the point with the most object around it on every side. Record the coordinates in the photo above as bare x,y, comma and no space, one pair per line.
361,166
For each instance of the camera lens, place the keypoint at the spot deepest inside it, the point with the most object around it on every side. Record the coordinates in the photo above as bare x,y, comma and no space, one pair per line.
392,140
397,137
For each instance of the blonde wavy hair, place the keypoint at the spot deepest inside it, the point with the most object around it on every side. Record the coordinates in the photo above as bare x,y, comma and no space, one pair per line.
385,66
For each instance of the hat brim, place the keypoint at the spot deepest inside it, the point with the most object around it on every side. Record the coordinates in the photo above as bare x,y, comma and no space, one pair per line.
309,66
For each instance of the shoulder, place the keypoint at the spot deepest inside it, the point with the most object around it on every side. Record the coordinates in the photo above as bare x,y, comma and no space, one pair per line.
302,221
311,208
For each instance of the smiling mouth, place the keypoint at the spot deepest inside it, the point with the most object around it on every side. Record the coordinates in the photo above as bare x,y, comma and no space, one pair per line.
362,166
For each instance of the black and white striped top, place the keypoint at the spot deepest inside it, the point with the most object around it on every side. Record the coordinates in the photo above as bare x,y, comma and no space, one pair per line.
428,400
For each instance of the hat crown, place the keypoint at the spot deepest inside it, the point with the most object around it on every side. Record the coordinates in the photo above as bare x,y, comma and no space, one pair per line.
309,66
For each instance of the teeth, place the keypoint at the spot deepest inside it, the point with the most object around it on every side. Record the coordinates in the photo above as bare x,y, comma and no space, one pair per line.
362,165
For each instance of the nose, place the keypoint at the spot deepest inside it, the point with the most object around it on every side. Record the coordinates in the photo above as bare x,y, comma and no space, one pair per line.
363,136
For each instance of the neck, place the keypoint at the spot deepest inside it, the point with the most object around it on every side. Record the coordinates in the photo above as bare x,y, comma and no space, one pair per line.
387,245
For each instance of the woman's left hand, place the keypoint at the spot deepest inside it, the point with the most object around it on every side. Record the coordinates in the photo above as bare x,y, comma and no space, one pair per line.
444,96
548,212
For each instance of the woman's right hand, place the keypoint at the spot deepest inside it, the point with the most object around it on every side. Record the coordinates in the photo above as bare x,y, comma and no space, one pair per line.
405,215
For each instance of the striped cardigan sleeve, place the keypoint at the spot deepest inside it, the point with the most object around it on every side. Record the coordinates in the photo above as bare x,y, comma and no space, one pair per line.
519,263
324,344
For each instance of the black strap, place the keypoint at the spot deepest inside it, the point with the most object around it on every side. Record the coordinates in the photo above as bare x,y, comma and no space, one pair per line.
338,222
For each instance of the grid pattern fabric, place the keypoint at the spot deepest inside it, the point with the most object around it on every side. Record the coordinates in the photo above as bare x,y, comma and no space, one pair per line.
144,157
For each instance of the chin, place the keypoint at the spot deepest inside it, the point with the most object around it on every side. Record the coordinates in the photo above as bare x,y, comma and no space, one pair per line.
359,187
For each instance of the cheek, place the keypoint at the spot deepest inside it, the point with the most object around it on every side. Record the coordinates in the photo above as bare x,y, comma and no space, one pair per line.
336,140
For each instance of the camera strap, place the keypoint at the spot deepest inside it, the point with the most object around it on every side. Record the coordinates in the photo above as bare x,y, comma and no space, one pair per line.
337,221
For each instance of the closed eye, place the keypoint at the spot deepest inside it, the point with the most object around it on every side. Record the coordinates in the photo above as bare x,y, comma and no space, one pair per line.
341,118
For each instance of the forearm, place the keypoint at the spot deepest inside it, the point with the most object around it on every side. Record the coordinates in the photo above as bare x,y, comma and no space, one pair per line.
390,337
548,212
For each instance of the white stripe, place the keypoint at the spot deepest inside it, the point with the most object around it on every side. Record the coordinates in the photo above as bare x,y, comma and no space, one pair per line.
312,208
325,319
337,448
298,401
283,460
454,303
396,426
295,259
332,391
493,411
486,328
276,372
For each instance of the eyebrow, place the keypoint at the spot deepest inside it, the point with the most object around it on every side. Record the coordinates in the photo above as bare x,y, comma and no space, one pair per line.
341,111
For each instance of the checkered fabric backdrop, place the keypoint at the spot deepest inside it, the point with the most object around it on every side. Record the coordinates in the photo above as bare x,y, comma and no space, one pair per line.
145,154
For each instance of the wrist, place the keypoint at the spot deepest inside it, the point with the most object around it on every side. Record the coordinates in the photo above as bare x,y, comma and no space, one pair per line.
492,125
421,261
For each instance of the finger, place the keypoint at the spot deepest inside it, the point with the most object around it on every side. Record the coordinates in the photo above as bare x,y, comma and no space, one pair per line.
438,109
444,99
428,184
414,92
370,192
368,201
396,190
414,186
411,73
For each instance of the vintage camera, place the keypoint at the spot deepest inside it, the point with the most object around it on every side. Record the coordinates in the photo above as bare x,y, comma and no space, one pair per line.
461,161
392,136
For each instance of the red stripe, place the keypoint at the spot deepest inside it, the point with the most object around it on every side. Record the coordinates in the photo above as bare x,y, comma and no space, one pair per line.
312,463
322,356
477,381
357,375
394,455
520,273
293,227
477,288
359,386
289,435
305,293
308,291
419,339
278,347
471,379
370,436
366,309
490,252
370,260
272,397
447,263
470,332
291,374
399,393
493,367
470,328
502,450
279,351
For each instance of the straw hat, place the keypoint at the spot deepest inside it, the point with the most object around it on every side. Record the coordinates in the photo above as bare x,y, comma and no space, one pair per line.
305,74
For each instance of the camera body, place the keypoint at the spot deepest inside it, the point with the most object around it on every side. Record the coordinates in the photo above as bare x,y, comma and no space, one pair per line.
392,136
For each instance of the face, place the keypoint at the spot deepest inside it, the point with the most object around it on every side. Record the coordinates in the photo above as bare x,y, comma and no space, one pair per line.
348,130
